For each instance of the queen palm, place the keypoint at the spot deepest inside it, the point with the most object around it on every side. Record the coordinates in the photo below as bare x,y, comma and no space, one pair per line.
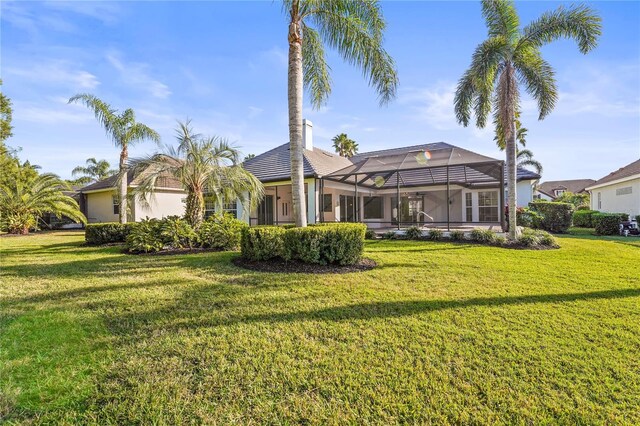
124,131
511,57
344,146
93,171
524,157
355,29
27,196
208,168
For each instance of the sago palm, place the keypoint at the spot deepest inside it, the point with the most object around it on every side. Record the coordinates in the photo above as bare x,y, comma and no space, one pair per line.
208,168
510,57
28,196
344,146
93,171
355,28
124,131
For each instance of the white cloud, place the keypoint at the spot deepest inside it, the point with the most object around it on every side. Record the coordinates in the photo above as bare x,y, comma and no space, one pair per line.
255,112
136,74
51,113
433,105
58,72
106,12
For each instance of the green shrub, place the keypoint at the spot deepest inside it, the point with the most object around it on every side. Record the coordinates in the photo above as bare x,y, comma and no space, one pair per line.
389,235
556,217
608,223
435,234
341,244
482,235
262,242
548,240
638,218
107,233
145,237
500,240
304,244
583,218
528,218
176,233
413,233
370,235
536,238
457,235
527,240
221,232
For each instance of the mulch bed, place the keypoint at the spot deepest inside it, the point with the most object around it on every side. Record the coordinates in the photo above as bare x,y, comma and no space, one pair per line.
281,266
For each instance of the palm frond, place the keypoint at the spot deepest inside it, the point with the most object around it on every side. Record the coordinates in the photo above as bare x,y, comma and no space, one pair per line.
579,23
501,18
315,68
104,113
538,78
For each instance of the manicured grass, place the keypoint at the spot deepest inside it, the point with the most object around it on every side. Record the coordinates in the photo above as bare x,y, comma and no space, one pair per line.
439,332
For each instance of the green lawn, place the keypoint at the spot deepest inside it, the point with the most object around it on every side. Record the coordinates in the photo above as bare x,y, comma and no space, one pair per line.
438,333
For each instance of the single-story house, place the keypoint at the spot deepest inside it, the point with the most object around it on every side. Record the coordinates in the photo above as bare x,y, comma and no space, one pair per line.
552,189
435,184
99,201
618,192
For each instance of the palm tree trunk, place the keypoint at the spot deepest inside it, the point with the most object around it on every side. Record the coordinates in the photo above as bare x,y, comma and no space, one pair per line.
295,119
124,183
512,183
194,210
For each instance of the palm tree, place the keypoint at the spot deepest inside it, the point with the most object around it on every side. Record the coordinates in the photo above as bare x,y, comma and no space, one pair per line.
525,159
93,171
511,56
28,196
208,168
344,146
124,131
355,29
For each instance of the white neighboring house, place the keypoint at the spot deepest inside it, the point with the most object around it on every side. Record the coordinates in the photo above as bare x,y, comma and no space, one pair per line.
100,203
618,192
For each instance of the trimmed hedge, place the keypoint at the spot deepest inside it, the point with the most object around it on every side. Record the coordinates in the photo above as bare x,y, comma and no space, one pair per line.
107,233
528,218
556,217
340,243
608,223
638,218
583,218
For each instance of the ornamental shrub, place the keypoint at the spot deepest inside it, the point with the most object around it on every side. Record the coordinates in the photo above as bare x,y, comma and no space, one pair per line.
482,235
221,231
340,243
107,233
527,240
413,233
583,218
145,237
176,232
528,218
536,238
608,223
457,235
556,217
262,242
638,218
389,235
370,235
435,234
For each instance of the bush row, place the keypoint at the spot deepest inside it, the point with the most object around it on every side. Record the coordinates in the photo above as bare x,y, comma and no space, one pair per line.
340,243
530,238
584,218
107,233
555,217
608,223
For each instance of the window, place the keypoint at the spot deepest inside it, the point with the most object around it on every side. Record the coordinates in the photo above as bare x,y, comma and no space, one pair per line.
209,208
373,208
116,204
624,191
327,203
599,200
488,206
468,206
285,209
231,208
559,192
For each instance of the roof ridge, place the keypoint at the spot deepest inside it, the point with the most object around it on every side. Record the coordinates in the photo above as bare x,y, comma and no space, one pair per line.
401,147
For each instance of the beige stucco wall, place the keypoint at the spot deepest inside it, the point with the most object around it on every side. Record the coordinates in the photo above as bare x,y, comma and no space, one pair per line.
612,203
100,207
161,204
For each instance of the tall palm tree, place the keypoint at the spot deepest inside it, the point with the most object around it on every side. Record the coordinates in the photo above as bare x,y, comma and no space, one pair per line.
124,131
524,157
344,146
355,28
208,168
511,56
93,171
28,196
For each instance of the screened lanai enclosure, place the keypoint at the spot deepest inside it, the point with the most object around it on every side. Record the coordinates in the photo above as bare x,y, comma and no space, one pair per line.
442,186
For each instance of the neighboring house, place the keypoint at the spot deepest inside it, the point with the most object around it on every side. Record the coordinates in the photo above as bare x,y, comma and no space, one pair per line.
434,183
554,188
99,201
618,192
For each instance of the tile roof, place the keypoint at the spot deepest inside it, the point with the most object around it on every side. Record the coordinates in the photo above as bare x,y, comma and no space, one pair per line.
621,173
574,185
275,164
110,182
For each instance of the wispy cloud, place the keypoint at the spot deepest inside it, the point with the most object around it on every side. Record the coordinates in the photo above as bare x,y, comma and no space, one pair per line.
433,105
58,72
106,12
136,75
255,112
51,111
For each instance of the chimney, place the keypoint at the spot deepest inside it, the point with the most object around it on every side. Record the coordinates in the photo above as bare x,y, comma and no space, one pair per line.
307,134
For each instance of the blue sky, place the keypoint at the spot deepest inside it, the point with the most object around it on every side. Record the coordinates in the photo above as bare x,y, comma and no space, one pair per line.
223,64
